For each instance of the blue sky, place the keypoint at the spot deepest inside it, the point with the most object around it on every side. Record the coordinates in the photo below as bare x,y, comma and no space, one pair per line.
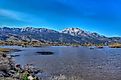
102,16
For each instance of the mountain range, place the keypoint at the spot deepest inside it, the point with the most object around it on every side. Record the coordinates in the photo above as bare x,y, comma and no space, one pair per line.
68,35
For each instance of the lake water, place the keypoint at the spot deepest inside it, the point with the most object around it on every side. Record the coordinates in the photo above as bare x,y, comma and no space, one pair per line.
73,63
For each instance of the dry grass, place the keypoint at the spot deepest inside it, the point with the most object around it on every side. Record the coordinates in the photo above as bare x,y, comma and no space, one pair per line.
9,78
4,50
115,45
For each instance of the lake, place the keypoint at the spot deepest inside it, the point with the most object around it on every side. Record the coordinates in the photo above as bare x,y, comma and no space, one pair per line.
72,63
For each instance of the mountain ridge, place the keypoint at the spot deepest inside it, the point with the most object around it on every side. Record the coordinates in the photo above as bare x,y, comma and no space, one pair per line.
68,35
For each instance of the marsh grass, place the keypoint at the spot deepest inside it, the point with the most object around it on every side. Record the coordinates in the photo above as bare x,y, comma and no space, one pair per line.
115,45
2,50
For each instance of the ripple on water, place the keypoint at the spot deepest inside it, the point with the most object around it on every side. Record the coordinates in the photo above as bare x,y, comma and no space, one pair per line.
78,63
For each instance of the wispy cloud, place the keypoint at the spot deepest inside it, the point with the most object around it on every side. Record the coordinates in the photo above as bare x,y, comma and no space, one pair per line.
16,15
11,14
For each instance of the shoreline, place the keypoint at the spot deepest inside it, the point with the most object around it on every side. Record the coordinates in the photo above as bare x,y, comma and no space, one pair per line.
44,72
11,71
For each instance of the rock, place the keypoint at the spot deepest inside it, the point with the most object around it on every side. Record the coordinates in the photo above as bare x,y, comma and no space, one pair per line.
2,74
4,67
4,55
30,77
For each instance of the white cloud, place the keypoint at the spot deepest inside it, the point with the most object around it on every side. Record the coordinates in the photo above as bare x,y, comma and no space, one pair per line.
16,15
11,14
20,16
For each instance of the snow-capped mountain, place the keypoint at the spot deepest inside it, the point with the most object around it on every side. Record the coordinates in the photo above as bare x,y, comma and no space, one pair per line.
37,30
68,35
73,31
80,33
